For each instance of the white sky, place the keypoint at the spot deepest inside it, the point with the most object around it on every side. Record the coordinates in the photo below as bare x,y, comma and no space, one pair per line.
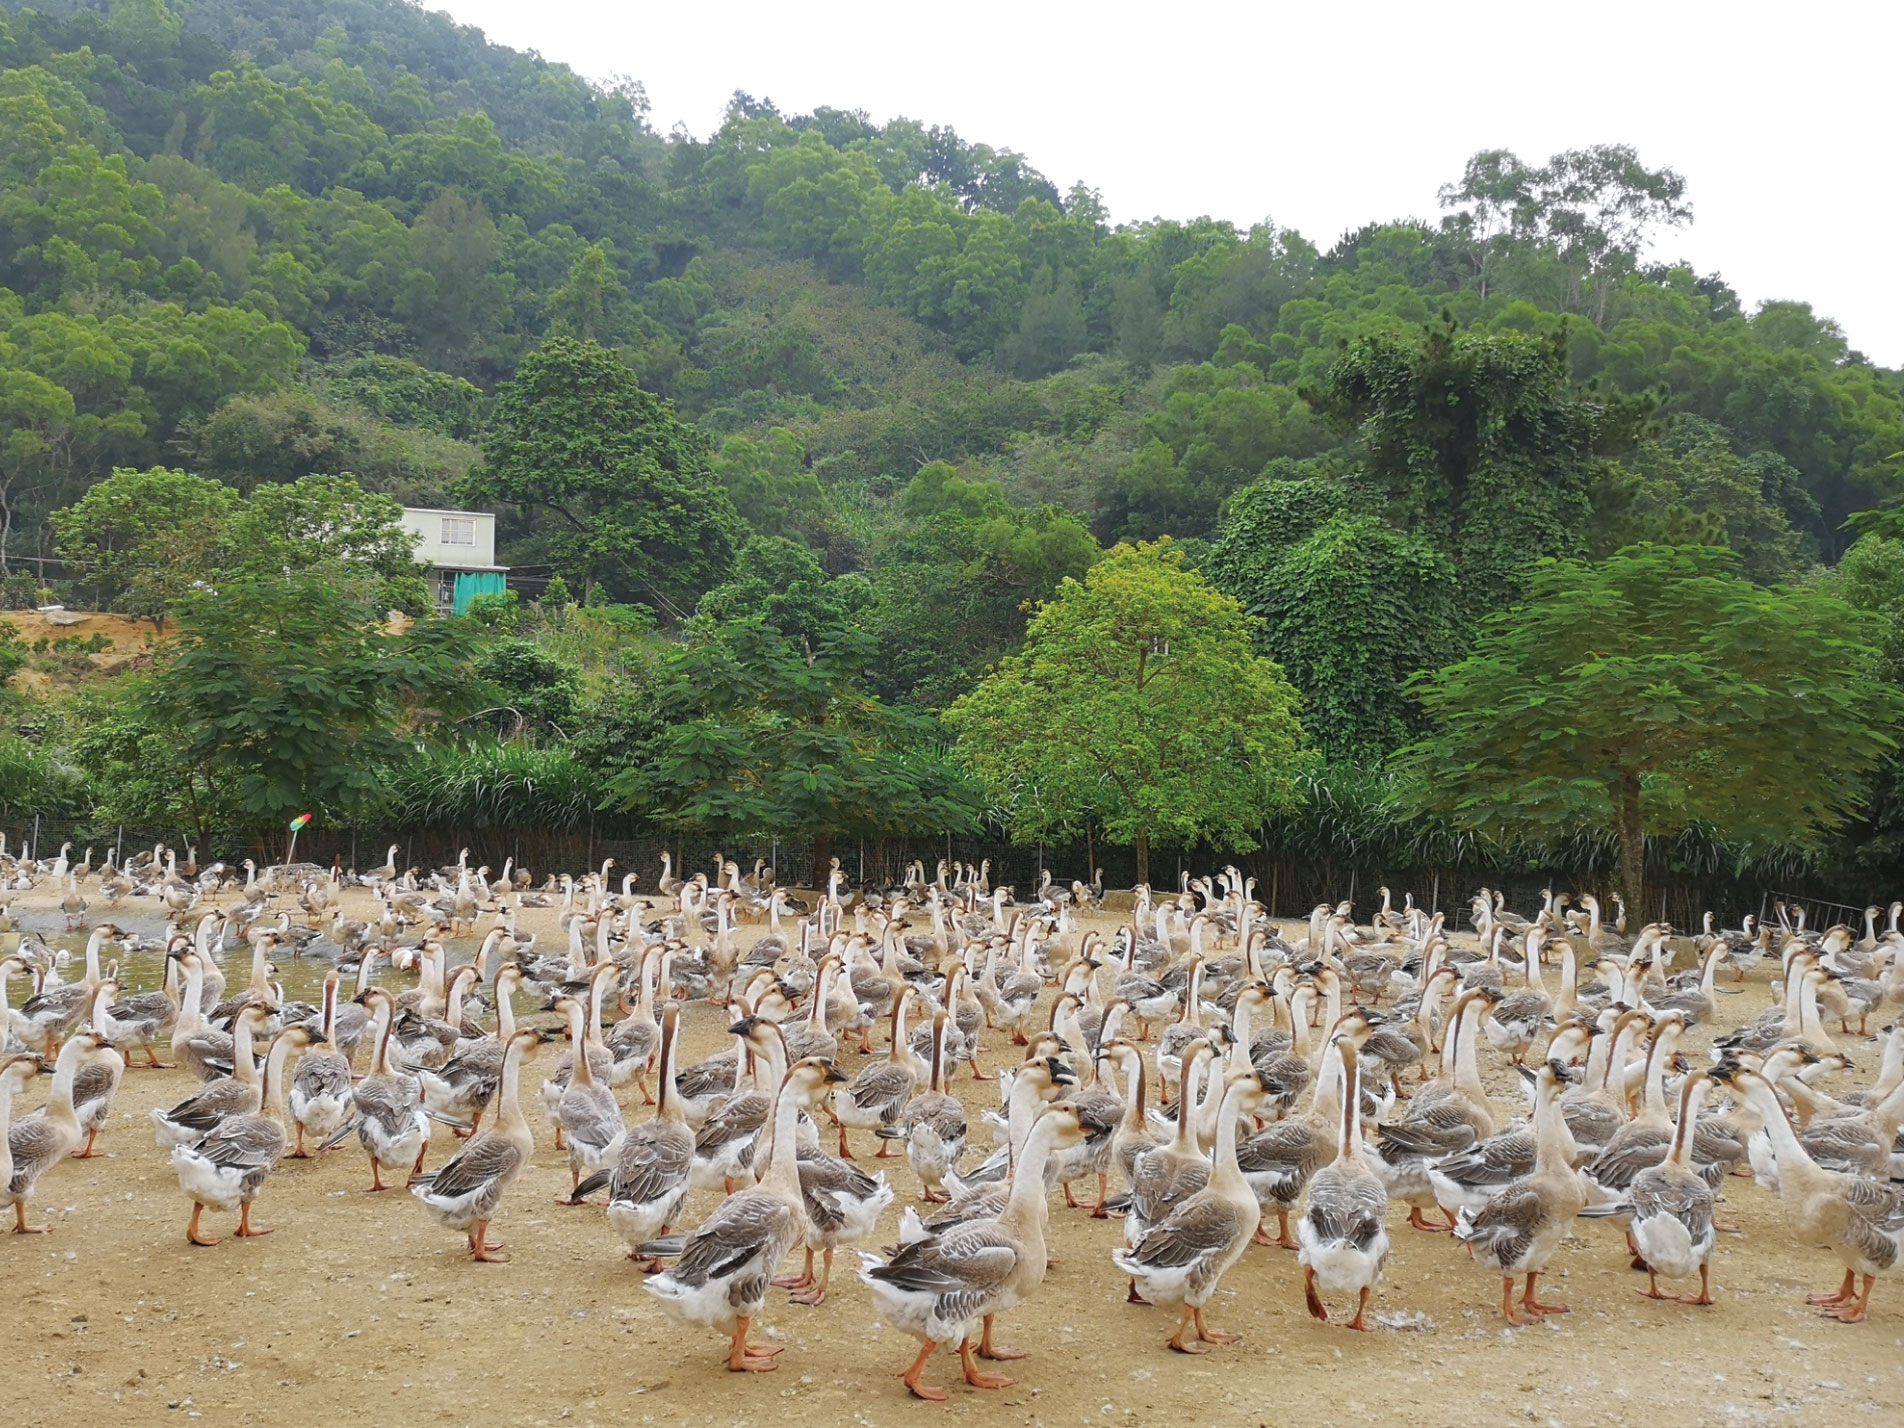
1783,120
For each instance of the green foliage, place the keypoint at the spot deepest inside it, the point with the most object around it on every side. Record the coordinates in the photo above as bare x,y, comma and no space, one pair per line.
284,695
779,581
1349,609
542,690
265,243
1689,487
1652,691
489,786
409,394
1477,443
621,487
759,735
152,535
13,655
1138,702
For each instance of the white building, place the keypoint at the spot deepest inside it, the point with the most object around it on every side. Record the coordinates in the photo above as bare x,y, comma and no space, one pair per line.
459,547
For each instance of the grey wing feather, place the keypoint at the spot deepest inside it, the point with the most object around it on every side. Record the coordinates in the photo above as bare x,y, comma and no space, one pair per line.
1194,1230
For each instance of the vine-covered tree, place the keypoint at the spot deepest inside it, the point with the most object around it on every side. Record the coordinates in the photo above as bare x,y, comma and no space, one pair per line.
1350,608
1478,442
1652,691
1138,701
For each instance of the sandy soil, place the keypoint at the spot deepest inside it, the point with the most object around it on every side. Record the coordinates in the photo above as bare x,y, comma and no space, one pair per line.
360,1310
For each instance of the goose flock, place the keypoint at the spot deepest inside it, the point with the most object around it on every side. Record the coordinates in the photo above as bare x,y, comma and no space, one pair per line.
1183,1067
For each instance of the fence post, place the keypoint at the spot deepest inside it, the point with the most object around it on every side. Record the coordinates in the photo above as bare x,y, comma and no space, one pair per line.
33,853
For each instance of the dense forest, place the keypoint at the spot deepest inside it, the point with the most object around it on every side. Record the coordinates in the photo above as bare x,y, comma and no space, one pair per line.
796,430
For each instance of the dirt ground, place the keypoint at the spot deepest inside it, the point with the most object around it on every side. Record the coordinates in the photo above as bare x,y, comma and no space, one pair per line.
360,1310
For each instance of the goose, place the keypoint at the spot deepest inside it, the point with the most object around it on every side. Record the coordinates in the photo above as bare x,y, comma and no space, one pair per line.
843,1206
941,1288
427,1042
1150,1000
1644,1140
49,1014
1860,1219
1519,1229
726,1147
1439,1122
258,990
140,1020
38,1142
876,1098
1278,1161
587,1111
1669,1205
390,1121
466,1193
981,1193
1518,1017
701,1088
1182,1258
1696,1003
459,1091
1343,1234
633,1040
98,1080
1469,1178
1100,1108
239,1094
1134,1135
720,1279
649,1182
320,1095
15,1072
934,1124
601,1061
1163,1175
1594,1110
227,1168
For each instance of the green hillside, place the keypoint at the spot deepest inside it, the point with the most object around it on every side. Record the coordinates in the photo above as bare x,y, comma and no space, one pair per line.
873,389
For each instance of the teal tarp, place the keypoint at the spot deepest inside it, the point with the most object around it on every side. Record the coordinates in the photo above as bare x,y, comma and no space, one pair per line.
469,586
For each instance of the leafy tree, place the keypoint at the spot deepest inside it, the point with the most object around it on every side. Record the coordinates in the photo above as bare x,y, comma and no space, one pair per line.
331,522
760,735
1689,487
779,581
623,482
149,536
952,594
284,694
1650,692
1138,701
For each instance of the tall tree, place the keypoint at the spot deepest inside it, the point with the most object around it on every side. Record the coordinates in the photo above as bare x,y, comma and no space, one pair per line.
1350,609
624,484
1137,701
1652,691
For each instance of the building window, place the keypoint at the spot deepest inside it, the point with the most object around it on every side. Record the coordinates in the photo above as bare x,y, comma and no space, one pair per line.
458,530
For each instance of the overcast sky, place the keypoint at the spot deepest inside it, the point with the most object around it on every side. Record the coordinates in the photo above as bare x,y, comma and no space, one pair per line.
1783,120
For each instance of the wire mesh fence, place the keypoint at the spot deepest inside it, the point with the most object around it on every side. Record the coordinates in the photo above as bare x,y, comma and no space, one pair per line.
1288,886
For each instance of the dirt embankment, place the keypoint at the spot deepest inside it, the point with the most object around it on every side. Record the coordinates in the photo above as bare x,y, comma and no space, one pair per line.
69,646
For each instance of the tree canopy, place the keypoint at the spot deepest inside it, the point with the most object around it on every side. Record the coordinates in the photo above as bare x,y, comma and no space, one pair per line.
1652,691
1138,702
